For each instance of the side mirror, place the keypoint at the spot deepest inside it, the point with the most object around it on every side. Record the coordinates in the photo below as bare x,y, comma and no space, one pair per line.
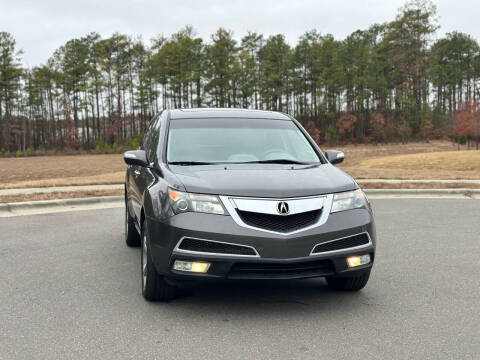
334,156
135,157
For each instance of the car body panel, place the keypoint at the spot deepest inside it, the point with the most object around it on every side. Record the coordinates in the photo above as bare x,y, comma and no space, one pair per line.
276,180
165,235
202,113
147,198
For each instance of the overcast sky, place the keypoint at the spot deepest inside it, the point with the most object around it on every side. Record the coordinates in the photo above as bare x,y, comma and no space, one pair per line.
41,26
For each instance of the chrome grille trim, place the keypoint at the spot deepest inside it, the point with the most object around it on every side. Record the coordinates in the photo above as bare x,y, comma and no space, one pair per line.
269,206
230,205
177,248
345,249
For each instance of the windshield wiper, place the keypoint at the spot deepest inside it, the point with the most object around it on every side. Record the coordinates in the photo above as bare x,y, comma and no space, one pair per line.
272,161
187,163
276,161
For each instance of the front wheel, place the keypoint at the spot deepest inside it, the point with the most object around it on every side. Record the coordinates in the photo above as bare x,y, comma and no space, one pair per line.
154,286
349,283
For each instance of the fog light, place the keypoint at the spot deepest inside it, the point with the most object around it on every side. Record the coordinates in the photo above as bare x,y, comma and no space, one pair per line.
191,266
354,261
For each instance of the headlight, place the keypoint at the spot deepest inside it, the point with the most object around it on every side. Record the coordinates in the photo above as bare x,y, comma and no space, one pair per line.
349,200
184,202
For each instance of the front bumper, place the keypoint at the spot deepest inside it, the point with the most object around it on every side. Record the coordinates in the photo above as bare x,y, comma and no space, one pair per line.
279,256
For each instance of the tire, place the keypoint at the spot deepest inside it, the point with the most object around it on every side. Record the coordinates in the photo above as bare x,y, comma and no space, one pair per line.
350,283
132,238
154,286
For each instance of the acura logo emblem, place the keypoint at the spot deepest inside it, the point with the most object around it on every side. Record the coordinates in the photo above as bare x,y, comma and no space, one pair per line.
282,208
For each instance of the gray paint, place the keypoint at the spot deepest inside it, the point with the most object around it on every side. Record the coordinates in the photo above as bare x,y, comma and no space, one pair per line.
264,180
149,194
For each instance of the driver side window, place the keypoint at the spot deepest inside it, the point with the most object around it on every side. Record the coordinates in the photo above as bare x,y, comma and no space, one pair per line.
148,138
154,139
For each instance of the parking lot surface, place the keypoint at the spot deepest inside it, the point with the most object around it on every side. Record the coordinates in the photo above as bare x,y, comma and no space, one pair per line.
70,288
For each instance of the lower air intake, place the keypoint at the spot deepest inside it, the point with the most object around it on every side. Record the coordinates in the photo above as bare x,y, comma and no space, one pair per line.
214,247
342,244
296,270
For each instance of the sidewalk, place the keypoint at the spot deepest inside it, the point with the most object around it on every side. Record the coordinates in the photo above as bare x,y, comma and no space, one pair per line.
420,181
42,190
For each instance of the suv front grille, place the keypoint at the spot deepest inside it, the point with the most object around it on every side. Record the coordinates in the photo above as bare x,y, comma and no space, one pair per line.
280,223
214,247
345,243
256,270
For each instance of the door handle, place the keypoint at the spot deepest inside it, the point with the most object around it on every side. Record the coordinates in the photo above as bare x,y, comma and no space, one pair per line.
136,172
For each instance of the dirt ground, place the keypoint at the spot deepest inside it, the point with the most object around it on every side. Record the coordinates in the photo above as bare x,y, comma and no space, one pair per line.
388,161
434,160
42,171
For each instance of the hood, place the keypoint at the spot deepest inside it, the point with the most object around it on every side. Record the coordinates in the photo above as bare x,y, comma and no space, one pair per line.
264,180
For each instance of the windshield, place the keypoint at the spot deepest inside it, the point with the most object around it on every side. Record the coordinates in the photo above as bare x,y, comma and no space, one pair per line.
237,141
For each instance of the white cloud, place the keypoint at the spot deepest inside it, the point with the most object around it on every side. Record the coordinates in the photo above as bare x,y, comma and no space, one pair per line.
42,26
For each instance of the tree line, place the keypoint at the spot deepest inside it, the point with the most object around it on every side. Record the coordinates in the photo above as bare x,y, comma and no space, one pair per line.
390,82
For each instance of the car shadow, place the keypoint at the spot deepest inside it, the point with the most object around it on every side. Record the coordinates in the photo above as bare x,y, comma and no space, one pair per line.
267,298
230,299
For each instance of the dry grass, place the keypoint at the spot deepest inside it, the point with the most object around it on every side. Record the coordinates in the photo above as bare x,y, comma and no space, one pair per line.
58,195
447,160
42,171
432,165
434,160
357,153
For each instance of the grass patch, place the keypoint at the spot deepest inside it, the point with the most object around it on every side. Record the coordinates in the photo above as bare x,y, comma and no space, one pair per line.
441,161
432,165
434,160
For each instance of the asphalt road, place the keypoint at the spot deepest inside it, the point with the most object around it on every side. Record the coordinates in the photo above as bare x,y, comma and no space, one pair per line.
70,288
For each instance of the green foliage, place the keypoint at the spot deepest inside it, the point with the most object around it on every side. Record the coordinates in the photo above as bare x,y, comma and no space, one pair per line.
331,135
10,82
461,139
405,132
386,83
135,142
18,153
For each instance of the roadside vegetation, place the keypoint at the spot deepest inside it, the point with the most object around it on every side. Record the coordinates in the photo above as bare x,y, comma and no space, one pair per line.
434,160
433,165
392,82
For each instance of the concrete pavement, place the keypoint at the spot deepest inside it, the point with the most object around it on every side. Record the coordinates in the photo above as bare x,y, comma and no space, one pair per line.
41,190
70,289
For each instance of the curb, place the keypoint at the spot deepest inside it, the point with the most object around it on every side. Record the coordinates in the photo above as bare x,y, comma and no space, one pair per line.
44,206
425,193
19,208
41,190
